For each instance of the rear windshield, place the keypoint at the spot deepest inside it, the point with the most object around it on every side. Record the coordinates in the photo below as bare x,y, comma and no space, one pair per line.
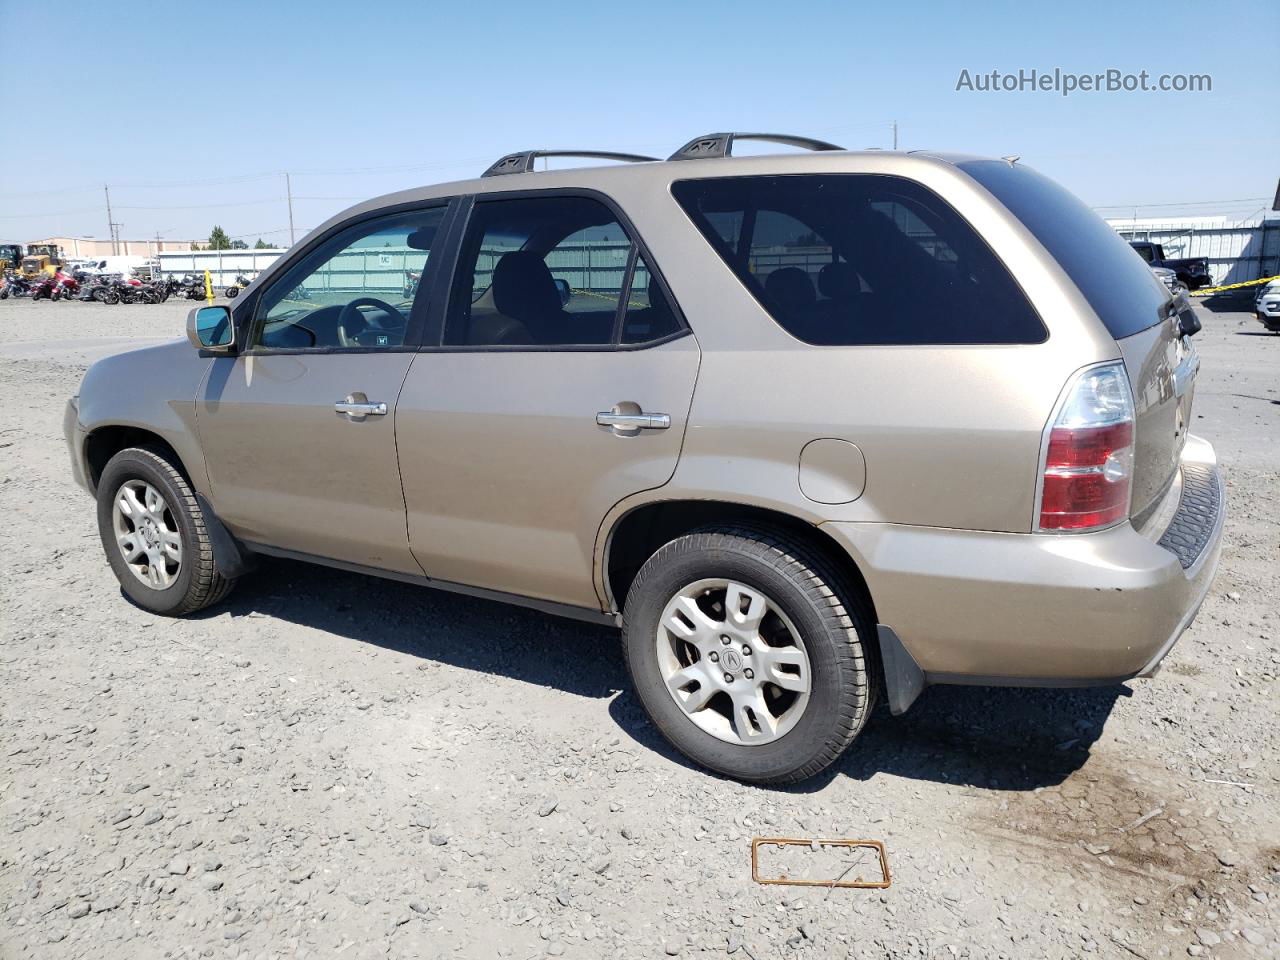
1111,275
845,259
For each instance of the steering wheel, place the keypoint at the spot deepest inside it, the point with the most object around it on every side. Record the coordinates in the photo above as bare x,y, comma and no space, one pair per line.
351,323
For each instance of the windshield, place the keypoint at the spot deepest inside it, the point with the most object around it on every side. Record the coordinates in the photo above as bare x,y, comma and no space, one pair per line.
1112,277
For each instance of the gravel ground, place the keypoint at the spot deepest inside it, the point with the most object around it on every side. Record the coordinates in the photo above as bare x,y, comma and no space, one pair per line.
333,765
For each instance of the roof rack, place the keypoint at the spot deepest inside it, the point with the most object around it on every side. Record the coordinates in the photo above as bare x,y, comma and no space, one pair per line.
721,144
522,162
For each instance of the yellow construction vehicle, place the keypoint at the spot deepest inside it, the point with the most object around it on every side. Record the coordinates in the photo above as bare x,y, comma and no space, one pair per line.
42,258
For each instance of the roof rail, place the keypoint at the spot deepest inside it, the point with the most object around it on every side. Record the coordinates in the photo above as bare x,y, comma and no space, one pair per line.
522,162
721,144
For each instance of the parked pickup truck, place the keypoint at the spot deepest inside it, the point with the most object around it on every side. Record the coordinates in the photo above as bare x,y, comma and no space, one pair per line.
1193,271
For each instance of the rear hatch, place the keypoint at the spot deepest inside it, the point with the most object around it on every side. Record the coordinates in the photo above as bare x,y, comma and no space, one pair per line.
1135,306
1162,366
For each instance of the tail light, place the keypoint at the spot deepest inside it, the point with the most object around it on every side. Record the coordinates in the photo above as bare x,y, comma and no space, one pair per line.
1088,465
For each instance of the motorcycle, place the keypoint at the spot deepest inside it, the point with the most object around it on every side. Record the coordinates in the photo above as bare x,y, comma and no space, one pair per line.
15,285
96,289
129,291
233,291
46,288
68,286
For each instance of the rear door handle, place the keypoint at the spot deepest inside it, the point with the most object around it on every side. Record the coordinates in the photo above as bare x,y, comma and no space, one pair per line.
355,405
633,421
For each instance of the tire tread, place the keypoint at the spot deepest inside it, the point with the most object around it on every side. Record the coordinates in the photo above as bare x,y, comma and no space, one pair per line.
842,605
207,585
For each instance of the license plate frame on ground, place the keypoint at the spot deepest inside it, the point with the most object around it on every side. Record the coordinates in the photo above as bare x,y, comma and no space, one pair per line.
814,843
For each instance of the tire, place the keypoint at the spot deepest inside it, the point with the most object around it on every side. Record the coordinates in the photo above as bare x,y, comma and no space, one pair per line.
817,606
194,583
232,292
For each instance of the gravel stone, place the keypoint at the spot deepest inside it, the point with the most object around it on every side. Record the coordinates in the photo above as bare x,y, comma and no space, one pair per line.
485,718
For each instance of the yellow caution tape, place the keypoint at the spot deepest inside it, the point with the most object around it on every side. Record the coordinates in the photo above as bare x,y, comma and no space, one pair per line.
1233,286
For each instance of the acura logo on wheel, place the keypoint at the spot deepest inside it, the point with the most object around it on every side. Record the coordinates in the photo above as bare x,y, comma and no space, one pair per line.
731,660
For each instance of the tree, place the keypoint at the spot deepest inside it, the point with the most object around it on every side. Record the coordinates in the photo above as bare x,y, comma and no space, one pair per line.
261,245
218,239
239,245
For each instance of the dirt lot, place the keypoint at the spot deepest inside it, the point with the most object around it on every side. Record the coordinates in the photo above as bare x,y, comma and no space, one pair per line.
332,765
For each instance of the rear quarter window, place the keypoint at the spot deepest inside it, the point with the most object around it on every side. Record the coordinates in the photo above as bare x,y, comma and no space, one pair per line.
1112,276
860,259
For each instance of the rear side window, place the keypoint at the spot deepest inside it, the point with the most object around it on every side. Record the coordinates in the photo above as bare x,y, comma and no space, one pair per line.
852,259
552,272
1111,275
648,312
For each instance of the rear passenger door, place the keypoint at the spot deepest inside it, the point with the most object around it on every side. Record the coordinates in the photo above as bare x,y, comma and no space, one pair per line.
558,383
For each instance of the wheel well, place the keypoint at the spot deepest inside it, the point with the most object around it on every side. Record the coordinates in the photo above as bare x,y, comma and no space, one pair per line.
105,442
639,534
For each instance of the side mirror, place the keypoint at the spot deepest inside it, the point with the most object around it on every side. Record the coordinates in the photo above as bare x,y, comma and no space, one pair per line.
211,329
566,292
1188,322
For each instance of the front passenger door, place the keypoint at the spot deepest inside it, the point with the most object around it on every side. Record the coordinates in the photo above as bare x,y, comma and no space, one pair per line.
298,428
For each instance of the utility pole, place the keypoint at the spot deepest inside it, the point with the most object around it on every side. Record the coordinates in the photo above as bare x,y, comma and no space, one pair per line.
288,189
895,134
111,227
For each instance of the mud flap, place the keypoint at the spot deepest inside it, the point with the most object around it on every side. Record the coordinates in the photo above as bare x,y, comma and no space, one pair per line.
903,678
231,559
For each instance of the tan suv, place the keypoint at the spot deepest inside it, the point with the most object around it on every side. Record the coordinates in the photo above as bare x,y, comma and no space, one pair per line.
813,428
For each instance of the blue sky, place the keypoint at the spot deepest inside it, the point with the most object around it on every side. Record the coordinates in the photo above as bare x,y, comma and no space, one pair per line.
192,112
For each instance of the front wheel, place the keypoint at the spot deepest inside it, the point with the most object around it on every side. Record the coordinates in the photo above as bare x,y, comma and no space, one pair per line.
155,536
232,292
751,652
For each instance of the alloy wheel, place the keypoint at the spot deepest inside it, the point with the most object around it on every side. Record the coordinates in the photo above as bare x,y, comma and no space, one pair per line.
733,661
147,534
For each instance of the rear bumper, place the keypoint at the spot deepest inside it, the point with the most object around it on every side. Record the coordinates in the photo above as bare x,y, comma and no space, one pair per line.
1045,610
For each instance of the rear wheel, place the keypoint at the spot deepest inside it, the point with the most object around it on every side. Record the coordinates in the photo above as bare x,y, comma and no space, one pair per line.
232,292
750,652
154,535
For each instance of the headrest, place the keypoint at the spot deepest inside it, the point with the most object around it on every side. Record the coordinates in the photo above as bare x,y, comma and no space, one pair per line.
790,287
838,280
422,238
523,287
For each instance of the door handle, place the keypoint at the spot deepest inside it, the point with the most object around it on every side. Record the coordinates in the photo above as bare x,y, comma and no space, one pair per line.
633,421
356,406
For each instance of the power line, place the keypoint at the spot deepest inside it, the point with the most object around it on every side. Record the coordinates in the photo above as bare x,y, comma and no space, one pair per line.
249,177
1185,203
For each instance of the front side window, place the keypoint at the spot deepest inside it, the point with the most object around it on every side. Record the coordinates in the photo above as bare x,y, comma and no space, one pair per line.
848,259
549,272
355,291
